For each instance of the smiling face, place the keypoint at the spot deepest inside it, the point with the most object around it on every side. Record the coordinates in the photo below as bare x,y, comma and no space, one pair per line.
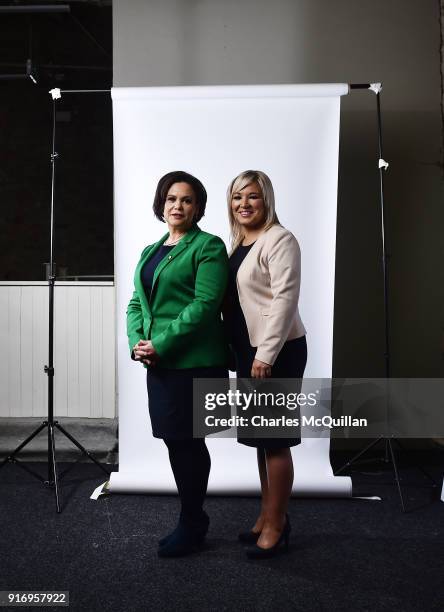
180,207
248,207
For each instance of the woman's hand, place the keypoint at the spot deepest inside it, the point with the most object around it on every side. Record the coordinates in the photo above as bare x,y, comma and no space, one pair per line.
260,369
144,351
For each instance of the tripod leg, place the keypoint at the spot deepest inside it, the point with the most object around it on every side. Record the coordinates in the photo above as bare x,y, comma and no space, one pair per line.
51,454
23,444
54,466
356,457
29,470
80,447
386,451
420,468
395,469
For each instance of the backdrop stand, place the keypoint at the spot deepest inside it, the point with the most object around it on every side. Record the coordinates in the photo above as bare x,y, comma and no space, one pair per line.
50,423
388,439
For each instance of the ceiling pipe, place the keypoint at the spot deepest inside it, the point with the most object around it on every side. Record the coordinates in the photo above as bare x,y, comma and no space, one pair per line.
35,8
29,74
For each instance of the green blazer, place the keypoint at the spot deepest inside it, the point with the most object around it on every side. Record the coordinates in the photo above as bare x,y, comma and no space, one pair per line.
182,316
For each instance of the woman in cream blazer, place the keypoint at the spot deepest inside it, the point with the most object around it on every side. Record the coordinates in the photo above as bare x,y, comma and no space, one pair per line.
267,336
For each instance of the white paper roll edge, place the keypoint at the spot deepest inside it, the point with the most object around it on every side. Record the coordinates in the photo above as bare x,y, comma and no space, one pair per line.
315,90
140,482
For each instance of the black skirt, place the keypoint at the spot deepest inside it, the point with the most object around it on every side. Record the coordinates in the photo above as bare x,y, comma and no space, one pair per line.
290,363
170,399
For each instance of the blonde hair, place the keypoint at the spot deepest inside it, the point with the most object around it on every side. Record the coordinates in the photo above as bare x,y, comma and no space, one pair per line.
237,184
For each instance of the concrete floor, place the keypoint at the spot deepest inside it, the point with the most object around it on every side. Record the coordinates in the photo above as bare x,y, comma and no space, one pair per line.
98,436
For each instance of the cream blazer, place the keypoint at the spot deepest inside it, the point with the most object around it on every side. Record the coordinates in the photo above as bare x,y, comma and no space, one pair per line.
268,282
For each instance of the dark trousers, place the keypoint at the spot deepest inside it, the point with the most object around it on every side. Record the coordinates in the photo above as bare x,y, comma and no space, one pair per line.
190,462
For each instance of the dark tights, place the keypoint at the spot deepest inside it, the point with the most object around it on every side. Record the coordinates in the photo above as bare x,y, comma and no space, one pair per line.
190,462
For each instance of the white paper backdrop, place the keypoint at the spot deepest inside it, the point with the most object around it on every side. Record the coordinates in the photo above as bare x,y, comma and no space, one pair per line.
292,133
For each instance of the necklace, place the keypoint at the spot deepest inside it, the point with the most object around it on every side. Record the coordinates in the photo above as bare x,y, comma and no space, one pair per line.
171,243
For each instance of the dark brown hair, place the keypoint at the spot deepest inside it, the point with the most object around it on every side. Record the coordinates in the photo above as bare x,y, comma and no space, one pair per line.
178,176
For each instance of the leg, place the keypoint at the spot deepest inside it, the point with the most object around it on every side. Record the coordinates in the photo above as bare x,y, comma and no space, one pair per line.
190,462
262,467
290,363
280,481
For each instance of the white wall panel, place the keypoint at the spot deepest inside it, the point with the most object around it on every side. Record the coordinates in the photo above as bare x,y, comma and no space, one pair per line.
108,317
84,349
26,371
13,351
72,354
39,349
60,344
4,349
96,353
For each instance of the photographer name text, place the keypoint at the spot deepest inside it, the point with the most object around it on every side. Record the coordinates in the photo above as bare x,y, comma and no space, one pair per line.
325,421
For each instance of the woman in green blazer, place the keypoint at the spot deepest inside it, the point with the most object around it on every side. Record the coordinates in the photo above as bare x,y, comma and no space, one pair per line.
175,329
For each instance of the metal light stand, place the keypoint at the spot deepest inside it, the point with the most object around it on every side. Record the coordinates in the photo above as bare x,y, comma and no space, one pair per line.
389,439
50,423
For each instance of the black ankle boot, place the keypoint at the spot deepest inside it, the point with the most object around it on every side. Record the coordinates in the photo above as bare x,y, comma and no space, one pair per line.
188,536
165,539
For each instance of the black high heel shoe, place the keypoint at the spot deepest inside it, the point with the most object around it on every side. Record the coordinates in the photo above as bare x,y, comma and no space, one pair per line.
256,552
248,537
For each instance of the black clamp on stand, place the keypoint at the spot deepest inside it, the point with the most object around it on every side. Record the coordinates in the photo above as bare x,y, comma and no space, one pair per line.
50,423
